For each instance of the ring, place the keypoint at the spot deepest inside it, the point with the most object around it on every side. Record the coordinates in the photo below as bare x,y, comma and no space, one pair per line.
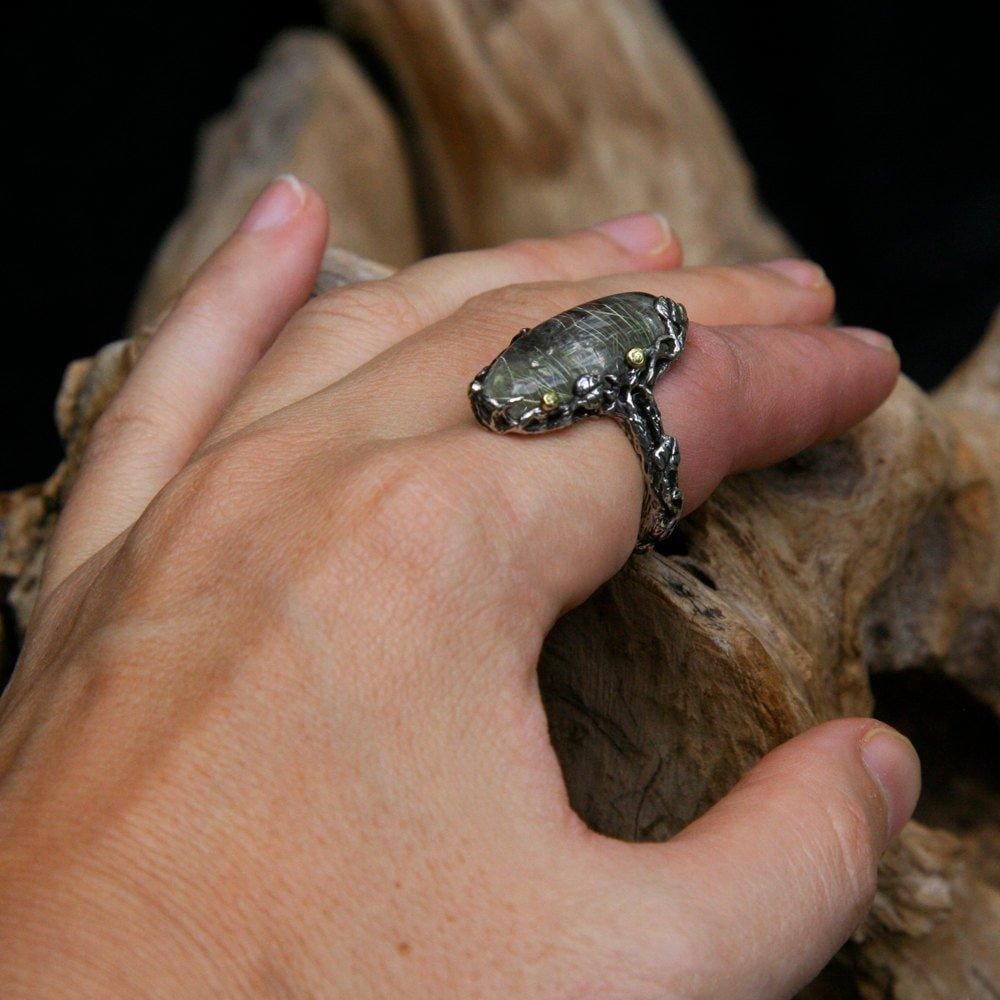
601,358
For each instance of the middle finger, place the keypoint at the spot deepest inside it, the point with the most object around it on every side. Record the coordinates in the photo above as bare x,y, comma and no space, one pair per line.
420,385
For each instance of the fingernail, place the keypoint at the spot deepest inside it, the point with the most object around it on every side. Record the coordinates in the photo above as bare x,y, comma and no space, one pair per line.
641,233
870,337
803,273
892,762
277,204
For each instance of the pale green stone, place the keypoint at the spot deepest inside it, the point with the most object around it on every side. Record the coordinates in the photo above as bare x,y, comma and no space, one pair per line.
590,339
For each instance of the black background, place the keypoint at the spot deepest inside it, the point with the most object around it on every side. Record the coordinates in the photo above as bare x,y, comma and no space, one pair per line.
869,129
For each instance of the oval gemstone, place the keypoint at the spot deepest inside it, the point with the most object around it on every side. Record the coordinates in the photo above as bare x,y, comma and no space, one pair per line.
591,339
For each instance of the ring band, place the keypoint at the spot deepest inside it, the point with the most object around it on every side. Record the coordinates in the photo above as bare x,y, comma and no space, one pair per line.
601,358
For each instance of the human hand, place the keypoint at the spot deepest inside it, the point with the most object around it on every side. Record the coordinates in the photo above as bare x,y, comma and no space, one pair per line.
276,728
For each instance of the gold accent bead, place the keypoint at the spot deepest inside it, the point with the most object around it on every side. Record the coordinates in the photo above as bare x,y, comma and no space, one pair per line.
636,357
549,400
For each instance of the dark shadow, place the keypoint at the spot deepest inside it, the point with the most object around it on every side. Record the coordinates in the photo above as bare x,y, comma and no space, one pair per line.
958,739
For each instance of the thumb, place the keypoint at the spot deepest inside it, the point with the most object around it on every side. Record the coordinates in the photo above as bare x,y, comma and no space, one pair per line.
769,883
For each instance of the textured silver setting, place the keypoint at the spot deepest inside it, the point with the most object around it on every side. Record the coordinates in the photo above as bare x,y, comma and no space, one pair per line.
601,358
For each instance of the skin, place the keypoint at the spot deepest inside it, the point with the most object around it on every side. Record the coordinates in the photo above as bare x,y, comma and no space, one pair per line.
276,733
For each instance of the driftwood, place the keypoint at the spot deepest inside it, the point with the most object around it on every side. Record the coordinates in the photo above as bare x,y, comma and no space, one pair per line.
868,562
307,106
534,117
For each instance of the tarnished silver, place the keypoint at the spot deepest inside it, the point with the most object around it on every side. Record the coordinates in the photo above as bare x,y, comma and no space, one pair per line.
601,358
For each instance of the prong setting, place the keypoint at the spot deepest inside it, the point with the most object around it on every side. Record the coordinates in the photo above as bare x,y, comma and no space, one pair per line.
599,358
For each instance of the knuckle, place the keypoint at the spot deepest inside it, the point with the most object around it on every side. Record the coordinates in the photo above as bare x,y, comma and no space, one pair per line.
540,259
207,519
727,282
751,278
512,306
726,378
625,958
431,520
736,370
379,302
411,506
219,490
854,859
748,286
123,424
815,364
222,513
200,303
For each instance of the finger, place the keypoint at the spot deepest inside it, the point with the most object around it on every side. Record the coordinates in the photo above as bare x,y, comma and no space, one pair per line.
740,398
341,330
778,291
449,353
757,895
559,513
194,364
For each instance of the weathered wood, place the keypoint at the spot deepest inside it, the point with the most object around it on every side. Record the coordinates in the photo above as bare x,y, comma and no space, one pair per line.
306,110
687,667
778,600
535,117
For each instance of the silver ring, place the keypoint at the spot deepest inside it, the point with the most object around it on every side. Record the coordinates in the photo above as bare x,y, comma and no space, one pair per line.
601,358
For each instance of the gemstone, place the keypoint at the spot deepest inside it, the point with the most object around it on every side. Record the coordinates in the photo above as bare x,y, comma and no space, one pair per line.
591,340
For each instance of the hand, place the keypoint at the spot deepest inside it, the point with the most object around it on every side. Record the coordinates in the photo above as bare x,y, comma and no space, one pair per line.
276,728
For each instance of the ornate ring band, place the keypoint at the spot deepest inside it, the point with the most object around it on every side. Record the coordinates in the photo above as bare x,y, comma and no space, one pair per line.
600,358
